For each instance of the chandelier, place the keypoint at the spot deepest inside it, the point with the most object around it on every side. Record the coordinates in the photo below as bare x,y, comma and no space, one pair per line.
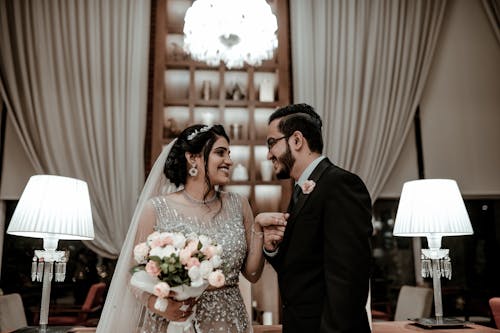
232,31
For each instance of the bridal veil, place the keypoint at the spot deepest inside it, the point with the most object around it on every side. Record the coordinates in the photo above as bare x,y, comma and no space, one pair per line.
122,310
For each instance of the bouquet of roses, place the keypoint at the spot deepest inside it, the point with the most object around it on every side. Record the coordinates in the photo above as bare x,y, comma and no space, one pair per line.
171,261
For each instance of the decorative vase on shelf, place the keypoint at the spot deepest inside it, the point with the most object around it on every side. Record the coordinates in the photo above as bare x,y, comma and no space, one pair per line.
205,92
240,173
235,131
266,91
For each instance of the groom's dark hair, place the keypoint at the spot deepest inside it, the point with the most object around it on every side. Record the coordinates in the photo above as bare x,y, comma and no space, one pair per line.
302,118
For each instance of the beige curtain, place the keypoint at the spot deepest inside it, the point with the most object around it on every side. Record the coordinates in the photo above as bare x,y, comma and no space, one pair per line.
74,79
363,65
492,9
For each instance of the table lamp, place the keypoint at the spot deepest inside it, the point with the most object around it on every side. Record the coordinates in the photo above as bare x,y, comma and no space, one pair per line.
433,208
52,208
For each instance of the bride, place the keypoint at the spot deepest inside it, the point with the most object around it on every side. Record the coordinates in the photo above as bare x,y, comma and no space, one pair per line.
181,195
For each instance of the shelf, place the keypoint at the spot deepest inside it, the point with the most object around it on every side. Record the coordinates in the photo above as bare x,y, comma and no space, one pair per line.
175,28
272,105
233,103
177,102
210,102
188,92
183,92
177,64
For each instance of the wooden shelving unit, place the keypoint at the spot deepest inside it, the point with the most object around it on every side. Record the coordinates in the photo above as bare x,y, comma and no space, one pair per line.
176,96
179,99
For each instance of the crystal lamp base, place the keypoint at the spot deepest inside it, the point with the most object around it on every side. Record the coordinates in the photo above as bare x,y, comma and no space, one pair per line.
434,323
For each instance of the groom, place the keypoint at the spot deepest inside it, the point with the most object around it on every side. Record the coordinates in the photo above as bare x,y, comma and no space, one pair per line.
323,257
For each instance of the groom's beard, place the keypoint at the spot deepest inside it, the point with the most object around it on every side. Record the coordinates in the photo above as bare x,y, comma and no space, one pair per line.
287,161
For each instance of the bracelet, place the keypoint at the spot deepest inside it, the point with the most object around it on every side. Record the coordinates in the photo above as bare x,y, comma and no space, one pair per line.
258,233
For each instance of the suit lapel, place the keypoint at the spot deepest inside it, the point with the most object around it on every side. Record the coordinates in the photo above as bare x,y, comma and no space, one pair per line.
302,199
315,176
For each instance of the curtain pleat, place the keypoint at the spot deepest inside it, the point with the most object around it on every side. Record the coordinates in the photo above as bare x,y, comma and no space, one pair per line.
365,75
74,78
492,9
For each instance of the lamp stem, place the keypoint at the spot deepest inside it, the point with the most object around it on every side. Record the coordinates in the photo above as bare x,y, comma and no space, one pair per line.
44,307
436,281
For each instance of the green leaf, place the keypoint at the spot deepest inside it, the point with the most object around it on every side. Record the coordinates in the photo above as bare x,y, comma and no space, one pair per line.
137,269
155,259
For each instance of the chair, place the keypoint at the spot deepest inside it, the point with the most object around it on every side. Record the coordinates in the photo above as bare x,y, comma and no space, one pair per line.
413,302
12,316
71,316
495,310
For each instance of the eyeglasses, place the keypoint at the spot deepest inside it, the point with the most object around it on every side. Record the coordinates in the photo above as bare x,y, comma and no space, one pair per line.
272,141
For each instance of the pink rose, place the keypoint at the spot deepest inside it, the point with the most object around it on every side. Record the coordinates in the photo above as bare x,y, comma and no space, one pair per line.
161,289
162,241
216,279
192,245
308,186
184,256
152,268
209,251
192,262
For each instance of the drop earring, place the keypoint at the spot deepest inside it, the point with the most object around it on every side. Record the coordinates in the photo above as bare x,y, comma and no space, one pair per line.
193,171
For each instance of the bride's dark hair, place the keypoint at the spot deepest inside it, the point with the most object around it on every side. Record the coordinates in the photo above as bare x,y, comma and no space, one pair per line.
195,139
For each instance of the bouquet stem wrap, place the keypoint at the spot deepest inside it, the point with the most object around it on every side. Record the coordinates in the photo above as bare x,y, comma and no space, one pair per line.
146,282
184,292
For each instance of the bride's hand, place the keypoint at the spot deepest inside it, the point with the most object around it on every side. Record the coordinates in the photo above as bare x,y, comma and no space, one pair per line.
271,219
176,310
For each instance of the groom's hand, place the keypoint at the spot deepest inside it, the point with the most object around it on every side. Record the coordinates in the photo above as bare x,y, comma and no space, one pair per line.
273,235
273,225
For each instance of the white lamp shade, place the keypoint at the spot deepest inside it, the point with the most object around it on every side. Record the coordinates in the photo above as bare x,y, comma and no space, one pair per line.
55,207
431,207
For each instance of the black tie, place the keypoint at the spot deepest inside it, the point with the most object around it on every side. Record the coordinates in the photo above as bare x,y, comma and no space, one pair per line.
296,192
295,197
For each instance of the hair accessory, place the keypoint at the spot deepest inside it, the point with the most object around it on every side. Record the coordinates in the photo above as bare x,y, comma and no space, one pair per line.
196,132
193,171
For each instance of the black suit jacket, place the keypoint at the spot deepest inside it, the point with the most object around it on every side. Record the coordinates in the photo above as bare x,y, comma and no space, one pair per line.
323,262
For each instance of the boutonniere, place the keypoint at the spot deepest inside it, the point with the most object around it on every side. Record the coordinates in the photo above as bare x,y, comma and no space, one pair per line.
308,186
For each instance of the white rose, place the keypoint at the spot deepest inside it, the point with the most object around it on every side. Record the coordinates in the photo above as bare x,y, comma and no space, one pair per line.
194,273
140,253
205,241
206,268
195,276
161,289
163,251
216,261
179,240
170,249
166,234
192,236
156,251
218,248
152,237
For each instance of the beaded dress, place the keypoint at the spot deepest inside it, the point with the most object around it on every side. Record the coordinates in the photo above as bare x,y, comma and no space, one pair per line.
219,310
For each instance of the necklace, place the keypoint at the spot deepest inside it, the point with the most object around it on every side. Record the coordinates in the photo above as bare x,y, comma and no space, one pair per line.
197,201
